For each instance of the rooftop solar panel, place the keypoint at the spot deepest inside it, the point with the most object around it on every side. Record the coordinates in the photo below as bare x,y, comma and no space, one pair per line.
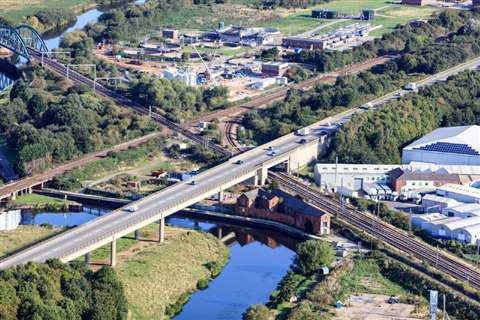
450,148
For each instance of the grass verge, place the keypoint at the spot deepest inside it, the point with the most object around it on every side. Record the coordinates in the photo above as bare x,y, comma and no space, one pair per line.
23,236
159,278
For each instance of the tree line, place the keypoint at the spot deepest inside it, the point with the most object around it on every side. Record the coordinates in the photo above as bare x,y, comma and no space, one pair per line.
48,121
58,291
378,137
457,39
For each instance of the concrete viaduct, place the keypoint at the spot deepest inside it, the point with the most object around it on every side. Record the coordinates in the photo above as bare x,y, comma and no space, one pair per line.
292,150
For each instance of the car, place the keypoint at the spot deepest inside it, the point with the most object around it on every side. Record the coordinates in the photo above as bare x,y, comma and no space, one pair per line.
238,161
270,148
192,182
393,300
132,208
302,141
272,153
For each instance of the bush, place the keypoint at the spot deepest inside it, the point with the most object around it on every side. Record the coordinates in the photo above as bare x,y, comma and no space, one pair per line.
312,255
175,308
257,312
202,284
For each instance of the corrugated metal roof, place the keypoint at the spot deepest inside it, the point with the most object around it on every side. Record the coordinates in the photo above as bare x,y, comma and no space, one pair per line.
463,139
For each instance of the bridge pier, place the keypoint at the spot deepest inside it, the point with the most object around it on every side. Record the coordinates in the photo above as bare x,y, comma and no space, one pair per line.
161,230
137,234
113,253
261,176
88,257
219,233
221,196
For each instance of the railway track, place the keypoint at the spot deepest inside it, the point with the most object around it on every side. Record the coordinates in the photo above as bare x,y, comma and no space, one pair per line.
230,130
123,101
382,231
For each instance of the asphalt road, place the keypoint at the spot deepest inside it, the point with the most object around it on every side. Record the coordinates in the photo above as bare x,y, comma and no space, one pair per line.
180,195
177,196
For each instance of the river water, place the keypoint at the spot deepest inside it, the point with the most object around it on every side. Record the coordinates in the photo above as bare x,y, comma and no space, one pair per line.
258,258
258,261
53,40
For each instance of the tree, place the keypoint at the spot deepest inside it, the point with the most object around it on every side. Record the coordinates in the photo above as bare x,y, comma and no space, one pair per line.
312,255
304,311
257,312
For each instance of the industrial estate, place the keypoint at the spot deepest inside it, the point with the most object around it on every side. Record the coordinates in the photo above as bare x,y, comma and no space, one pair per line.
254,160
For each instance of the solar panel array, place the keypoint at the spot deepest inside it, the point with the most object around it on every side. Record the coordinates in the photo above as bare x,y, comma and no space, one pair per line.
448,147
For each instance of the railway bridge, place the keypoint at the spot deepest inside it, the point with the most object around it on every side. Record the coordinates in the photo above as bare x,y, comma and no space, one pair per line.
22,39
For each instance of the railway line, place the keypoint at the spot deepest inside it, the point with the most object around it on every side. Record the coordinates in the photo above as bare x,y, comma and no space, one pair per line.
122,101
382,231
230,129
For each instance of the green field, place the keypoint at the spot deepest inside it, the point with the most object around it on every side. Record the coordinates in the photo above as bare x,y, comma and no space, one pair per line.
388,15
157,275
35,199
295,23
23,236
15,10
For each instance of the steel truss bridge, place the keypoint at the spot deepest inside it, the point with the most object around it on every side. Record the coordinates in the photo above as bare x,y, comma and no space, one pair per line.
21,40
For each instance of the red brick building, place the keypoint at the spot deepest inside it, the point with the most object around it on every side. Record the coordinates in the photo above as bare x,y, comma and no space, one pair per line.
282,207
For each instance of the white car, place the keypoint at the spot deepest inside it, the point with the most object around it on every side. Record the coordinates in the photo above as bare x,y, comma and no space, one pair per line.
132,208
272,153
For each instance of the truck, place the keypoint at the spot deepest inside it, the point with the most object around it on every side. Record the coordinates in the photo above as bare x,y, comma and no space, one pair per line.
411,86
303,132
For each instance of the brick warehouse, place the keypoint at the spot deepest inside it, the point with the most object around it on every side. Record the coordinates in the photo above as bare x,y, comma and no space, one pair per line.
282,207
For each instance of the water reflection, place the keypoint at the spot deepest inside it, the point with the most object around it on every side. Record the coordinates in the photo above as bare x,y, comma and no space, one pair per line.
258,260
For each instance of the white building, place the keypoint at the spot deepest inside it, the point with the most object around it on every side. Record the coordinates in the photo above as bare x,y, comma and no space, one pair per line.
352,176
10,220
447,146
468,235
463,210
460,193
434,203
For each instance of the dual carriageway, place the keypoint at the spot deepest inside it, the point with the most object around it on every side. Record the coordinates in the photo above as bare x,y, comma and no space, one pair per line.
254,164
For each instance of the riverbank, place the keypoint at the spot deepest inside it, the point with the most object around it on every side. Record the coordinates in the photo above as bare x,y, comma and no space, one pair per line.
159,278
24,236
16,11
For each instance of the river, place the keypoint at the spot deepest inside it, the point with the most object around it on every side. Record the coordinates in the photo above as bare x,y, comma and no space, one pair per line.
53,41
258,261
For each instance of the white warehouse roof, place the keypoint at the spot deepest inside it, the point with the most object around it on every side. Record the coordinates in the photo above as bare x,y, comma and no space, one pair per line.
451,188
473,208
458,140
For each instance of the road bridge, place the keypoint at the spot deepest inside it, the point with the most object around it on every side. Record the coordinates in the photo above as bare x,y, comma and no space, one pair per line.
253,165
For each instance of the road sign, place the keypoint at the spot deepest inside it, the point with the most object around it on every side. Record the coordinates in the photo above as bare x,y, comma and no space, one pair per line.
433,304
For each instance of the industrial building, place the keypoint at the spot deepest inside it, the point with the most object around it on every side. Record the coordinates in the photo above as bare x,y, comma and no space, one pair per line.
465,230
10,220
401,180
170,34
238,35
459,193
282,207
347,35
274,69
446,146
